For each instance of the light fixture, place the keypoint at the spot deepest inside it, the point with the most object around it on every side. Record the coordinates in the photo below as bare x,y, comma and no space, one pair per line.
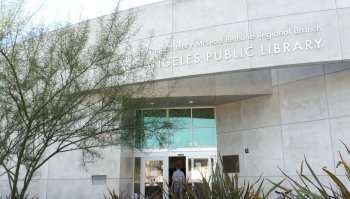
152,103
190,102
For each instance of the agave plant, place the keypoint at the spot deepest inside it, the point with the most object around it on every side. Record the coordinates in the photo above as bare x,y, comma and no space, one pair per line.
303,190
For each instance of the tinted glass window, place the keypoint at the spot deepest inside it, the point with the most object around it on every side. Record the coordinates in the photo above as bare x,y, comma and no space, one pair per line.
180,138
204,137
180,117
154,118
203,117
192,128
155,135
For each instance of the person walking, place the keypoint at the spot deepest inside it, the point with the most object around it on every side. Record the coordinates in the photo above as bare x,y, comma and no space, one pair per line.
178,180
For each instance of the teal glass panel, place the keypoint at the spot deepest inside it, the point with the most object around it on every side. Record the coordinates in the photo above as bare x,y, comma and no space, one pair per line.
180,117
154,119
204,137
180,138
154,139
203,117
154,132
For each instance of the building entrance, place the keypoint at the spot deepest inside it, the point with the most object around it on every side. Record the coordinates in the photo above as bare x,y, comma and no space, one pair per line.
156,170
173,161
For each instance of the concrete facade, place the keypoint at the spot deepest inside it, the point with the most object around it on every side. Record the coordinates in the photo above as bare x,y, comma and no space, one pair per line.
283,97
301,118
232,36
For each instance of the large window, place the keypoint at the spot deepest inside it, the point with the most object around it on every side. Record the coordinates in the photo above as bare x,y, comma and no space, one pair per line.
191,128
153,131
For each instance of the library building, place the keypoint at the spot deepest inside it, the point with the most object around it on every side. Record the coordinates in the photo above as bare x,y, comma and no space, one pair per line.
260,83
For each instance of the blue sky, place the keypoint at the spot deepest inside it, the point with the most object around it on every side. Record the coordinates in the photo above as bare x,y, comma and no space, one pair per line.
52,10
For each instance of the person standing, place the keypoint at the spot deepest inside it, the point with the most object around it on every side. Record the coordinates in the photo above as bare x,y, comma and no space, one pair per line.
178,180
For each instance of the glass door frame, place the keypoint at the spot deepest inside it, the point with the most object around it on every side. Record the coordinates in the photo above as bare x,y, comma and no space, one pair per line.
164,155
210,165
143,172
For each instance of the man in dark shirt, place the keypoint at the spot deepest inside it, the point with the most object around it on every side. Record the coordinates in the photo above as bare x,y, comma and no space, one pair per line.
178,180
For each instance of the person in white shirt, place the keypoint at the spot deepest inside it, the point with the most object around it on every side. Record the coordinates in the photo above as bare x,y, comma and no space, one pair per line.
178,180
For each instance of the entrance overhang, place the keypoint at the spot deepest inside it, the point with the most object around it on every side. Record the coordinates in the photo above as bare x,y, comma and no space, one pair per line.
211,90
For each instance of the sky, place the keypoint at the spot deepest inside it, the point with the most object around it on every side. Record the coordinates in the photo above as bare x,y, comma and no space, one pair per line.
51,10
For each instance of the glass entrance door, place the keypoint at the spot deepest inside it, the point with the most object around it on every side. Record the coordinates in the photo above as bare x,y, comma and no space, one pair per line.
153,176
199,167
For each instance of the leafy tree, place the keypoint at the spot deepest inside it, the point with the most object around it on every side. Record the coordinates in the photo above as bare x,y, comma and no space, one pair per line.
74,88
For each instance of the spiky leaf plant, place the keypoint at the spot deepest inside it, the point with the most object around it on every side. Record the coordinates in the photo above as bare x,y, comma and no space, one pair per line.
335,190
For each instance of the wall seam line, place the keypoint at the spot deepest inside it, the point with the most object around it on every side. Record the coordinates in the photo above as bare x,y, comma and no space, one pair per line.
340,40
302,79
279,108
241,107
329,120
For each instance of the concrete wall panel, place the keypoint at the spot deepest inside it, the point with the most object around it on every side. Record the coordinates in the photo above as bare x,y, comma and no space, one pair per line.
156,18
197,86
41,173
68,165
228,117
194,14
340,128
192,26
126,186
309,139
155,48
344,28
4,188
37,188
292,74
161,89
261,111
79,189
126,170
303,100
273,8
210,46
338,91
232,144
245,83
265,151
343,3
328,49
274,80
331,68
